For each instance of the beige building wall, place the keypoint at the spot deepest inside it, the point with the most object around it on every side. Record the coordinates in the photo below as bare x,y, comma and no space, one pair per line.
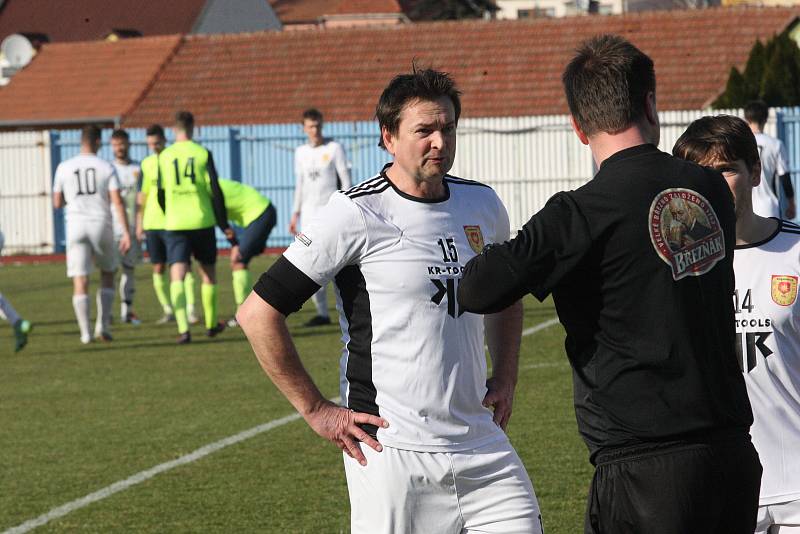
516,9
784,3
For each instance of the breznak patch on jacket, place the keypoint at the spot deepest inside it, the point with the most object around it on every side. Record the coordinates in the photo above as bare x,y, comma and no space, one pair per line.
685,232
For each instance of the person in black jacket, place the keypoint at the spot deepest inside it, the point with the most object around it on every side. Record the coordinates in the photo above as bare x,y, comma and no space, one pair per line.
659,397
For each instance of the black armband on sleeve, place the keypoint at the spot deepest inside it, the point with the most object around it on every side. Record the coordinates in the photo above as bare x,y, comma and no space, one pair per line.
786,182
285,287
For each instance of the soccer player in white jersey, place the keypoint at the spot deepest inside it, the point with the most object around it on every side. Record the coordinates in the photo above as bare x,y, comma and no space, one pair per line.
87,186
774,167
320,168
423,453
22,327
129,174
767,266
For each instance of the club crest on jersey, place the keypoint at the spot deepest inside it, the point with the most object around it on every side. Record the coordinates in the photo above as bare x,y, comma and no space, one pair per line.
685,232
474,238
303,238
784,289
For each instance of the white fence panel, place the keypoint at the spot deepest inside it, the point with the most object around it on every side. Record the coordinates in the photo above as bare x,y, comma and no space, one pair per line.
525,159
528,159
26,215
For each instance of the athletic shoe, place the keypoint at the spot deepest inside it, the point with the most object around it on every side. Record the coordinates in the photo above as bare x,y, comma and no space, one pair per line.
132,318
184,338
103,336
86,340
212,332
233,323
166,318
318,320
21,331
192,317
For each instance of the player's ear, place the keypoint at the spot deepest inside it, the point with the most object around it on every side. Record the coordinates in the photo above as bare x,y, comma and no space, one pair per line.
578,131
388,140
650,108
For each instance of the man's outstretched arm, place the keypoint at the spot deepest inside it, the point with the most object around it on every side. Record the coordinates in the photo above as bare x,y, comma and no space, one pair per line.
546,249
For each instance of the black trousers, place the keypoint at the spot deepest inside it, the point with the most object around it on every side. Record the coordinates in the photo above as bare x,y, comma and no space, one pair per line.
678,488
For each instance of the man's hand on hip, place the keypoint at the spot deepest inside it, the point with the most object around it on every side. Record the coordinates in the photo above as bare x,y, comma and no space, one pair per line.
500,397
340,426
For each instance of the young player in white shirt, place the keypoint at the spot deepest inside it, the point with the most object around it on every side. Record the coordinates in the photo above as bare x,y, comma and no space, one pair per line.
129,174
320,168
87,186
774,167
767,266
22,327
423,453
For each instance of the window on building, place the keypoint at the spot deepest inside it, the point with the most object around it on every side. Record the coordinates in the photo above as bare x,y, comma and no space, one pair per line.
525,13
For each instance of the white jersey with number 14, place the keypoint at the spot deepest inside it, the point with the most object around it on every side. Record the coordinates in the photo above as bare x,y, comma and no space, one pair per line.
768,343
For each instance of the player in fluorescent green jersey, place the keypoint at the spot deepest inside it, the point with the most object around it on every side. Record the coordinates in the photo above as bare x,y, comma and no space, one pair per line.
249,209
193,202
150,228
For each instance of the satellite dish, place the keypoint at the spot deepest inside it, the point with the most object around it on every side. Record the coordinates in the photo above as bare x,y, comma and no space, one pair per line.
17,50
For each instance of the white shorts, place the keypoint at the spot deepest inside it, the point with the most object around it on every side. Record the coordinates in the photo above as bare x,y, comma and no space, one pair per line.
87,240
134,255
480,490
780,518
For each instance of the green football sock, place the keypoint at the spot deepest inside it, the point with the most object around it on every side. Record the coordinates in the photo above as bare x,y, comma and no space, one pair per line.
242,282
178,295
160,286
189,284
208,294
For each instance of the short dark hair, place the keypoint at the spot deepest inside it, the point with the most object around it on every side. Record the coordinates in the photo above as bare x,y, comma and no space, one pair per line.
90,134
607,83
756,112
156,129
119,133
312,114
184,120
420,84
719,138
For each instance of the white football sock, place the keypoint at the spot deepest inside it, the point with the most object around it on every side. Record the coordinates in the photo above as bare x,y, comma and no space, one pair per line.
127,287
105,301
80,303
7,311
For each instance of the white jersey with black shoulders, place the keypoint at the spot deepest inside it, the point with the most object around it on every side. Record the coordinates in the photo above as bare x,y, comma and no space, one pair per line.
410,354
768,342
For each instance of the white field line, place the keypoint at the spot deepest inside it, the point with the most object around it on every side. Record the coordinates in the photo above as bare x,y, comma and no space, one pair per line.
142,476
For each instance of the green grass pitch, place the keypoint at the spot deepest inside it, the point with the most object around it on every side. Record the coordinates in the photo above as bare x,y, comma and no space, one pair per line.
76,419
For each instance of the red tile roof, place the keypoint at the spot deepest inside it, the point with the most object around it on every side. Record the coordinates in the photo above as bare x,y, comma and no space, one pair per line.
87,20
304,11
504,68
69,82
